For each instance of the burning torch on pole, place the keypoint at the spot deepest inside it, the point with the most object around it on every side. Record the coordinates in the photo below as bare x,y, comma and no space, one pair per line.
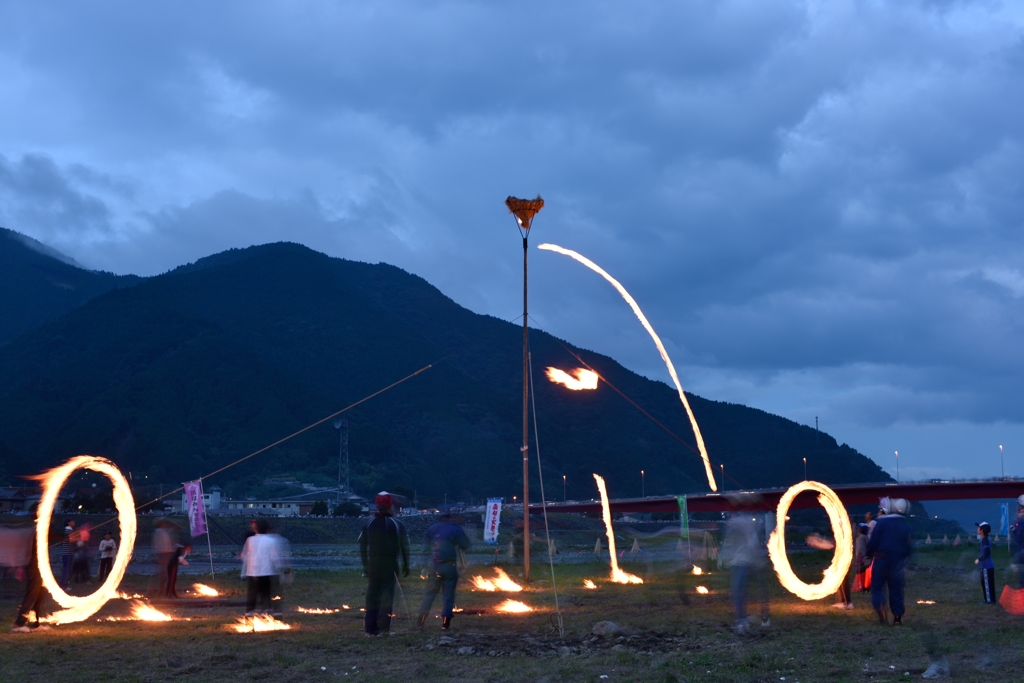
524,210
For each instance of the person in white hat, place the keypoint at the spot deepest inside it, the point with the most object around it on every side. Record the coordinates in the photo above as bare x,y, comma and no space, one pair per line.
890,546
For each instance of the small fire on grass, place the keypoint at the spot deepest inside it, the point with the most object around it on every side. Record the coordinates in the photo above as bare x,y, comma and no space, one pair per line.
204,590
926,602
501,582
513,606
702,590
317,610
589,585
259,623
125,596
697,571
345,607
143,612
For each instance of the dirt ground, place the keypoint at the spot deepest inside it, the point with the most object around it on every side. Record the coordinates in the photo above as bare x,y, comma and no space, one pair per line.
669,633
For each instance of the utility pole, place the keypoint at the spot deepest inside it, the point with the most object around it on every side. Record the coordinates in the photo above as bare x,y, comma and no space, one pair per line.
341,424
524,210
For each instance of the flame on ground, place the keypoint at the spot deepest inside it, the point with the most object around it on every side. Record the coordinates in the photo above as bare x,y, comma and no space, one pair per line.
618,576
657,342
581,379
587,583
513,606
81,607
835,573
697,571
501,582
125,596
203,589
345,607
259,623
702,590
143,612
317,610
926,602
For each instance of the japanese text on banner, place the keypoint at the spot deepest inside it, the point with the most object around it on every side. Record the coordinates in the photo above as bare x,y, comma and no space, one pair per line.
492,520
196,510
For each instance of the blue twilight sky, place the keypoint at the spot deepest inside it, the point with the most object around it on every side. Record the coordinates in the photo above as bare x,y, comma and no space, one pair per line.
820,205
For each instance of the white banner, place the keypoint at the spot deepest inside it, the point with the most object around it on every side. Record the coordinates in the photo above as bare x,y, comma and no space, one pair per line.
492,520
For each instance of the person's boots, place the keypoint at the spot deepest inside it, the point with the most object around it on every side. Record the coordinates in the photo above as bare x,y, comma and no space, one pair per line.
421,621
897,620
446,623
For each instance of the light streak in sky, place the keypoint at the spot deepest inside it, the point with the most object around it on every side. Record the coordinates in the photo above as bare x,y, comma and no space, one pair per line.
657,342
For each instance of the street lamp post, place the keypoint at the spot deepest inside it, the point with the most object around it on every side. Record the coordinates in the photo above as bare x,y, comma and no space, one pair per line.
1002,470
722,465
643,488
564,498
897,467
805,469
524,210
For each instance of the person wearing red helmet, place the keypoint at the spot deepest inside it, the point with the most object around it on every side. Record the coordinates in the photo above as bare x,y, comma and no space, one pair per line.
382,542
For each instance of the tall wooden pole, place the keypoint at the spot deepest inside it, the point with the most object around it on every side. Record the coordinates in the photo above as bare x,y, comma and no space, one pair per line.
526,421
524,210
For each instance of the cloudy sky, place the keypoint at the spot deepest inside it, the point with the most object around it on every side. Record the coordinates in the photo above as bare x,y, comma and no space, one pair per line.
820,205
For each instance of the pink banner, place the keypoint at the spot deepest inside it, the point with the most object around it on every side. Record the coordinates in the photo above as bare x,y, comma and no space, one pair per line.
196,510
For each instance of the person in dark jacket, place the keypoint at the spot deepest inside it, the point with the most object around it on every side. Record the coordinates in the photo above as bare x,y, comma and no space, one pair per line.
890,546
381,543
442,539
67,552
985,564
35,594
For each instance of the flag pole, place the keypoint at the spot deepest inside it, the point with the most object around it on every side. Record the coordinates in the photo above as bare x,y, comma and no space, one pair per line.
209,545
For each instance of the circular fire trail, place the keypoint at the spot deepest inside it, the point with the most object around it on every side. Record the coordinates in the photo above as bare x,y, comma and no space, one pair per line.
835,573
79,608
657,342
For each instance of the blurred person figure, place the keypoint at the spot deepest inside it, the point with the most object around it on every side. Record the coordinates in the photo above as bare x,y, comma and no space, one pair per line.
985,564
889,546
284,575
164,548
173,564
250,532
381,543
746,556
108,550
1017,534
860,558
35,594
67,552
14,551
261,561
870,522
80,563
443,540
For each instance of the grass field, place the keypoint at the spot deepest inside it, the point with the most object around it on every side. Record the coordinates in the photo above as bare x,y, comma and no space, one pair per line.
671,633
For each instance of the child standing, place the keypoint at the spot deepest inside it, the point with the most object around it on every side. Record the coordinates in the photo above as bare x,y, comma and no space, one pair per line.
108,548
860,560
986,565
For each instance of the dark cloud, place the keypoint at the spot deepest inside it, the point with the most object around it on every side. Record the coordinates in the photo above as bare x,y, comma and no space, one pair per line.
819,205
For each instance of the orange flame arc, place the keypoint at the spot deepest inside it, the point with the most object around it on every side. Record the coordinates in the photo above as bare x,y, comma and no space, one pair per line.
581,379
618,576
203,589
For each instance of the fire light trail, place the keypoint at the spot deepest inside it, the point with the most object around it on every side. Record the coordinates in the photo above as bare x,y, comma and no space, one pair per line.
581,379
143,612
657,342
79,608
317,610
618,576
835,573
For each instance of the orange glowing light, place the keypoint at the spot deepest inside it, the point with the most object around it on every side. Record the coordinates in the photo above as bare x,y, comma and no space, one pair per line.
125,596
259,623
702,590
317,610
835,573
143,612
581,379
501,582
203,589
590,585
345,607
657,342
81,607
617,576
697,571
513,606
926,602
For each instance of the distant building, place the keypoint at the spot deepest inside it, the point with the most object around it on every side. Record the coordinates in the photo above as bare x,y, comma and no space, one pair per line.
276,508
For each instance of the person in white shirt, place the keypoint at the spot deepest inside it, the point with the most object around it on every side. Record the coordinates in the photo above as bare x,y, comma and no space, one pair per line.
261,561
108,549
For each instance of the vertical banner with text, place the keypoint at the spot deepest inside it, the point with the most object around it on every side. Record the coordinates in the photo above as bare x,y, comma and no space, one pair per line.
196,510
492,520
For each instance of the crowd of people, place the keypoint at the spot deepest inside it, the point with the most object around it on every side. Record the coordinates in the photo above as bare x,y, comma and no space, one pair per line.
881,547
